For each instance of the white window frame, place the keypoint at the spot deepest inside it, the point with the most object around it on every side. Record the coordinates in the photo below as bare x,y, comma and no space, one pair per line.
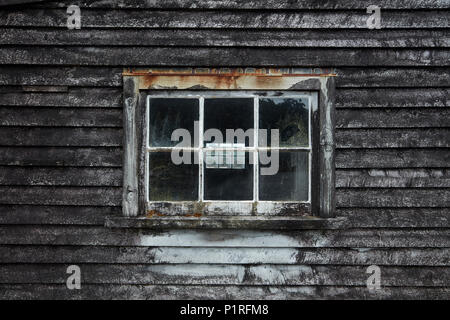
235,207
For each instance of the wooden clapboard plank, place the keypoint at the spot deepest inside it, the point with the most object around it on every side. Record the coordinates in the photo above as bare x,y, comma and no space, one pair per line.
393,138
75,97
377,198
260,4
92,196
227,38
70,176
217,274
392,158
223,19
60,117
221,57
61,156
202,292
352,238
392,98
174,255
58,136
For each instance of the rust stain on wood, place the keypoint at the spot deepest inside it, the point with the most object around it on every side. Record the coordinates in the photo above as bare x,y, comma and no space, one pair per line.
152,213
196,215
225,78
232,72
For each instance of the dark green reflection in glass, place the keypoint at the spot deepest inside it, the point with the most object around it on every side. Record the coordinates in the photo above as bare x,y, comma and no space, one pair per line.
168,114
229,113
291,182
290,116
170,182
231,183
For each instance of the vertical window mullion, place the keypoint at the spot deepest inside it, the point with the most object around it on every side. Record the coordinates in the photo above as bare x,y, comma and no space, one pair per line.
201,172
147,144
255,148
310,147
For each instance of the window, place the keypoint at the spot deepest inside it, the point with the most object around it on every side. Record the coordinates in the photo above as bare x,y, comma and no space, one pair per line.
217,150
228,144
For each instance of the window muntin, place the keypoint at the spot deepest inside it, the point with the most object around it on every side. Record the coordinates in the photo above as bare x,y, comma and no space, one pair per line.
266,110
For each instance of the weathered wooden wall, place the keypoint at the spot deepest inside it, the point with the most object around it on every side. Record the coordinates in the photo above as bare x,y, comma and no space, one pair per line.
61,149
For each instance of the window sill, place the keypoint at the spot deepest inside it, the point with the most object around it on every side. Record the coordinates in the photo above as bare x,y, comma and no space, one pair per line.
237,222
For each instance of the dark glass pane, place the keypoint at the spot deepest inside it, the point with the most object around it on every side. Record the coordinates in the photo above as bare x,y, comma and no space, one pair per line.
229,113
290,116
168,114
291,182
234,182
171,182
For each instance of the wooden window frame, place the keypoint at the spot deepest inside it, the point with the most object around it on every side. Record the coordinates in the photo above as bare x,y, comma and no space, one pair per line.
138,83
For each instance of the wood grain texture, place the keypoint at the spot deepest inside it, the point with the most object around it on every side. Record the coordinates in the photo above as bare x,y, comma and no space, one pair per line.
54,75
392,98
393,118
16,2
75,97
130,193
174,255
61,156
60,117
404,198
59,215
200,292
44,195
221,57
393,77
60,136
323,38
346,238
397,217
392,158
398,178
393,138
62,176
224,19
260,4
217,274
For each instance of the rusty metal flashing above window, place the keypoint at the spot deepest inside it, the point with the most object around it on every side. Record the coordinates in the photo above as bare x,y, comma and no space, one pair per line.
224,78
233,71
140,82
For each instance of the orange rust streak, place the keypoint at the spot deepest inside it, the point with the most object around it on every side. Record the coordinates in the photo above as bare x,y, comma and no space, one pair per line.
197,215
151,213
185,81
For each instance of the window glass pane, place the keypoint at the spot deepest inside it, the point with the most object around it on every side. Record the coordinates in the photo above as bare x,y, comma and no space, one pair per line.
291,181
290,116
229,178
168,114
171,182
229,113
227,157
